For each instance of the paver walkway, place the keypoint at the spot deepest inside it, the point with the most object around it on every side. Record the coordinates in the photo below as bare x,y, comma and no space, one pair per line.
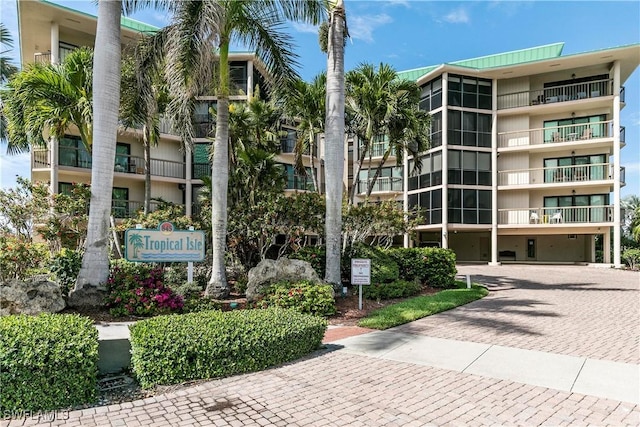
339,388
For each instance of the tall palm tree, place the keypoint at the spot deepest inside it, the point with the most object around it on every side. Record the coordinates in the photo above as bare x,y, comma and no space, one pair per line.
6,70
50,98
305,105
143,97
382,105
199,28
334,139
106,99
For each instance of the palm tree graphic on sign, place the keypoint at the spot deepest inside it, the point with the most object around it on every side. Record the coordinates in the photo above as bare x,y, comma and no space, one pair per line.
135,240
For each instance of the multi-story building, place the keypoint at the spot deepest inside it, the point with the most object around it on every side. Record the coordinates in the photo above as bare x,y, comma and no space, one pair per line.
48,32
524,162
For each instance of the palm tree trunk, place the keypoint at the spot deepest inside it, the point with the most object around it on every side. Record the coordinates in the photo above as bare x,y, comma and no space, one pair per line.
106,90
373,180
314,176
352,192
334,142
147,168
218,286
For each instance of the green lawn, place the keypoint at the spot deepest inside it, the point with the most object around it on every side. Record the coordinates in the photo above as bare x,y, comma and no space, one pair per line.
423,306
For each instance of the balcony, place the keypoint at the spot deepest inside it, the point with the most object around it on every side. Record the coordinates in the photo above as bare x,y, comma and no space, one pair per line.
559,134
130,208
556,174
556,216
40,159
288,146
384,184
377,149
551,95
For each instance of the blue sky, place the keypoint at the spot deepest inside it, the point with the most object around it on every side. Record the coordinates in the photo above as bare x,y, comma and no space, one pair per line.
410,34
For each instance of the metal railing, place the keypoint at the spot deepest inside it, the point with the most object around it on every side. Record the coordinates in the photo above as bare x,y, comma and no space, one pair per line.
200,169
383,184
130,208
550,95
549,135
554,216
377,149
40,158
556,174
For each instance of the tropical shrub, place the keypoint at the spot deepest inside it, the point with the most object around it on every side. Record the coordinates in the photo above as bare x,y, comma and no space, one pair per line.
305,297
396,289
138,289
65,266
383,267
314,255
431,266
632,258
213,344
20,259
47,362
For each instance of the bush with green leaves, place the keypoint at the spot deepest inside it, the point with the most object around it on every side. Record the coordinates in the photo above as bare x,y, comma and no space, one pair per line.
47,362
396,289
632,258
214,344
430,266
138,289
65,266
383,267
305,297
20,258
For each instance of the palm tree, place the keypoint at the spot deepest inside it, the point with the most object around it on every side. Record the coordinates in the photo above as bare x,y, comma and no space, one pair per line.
199,28
50,98
135,240
334,139
6,70
305,105
143,98
382,105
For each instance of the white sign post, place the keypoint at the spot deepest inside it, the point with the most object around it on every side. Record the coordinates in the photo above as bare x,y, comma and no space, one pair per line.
360,275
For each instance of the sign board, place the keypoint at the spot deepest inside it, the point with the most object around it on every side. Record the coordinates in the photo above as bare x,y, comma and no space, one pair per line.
164,244
360,271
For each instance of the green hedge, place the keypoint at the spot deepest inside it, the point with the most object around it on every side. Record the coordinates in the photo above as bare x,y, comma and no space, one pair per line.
314,255
383,267
397,289
432,266
304,297
47,362
211,344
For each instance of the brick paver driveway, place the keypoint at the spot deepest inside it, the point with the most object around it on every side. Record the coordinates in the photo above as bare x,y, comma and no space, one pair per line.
572,310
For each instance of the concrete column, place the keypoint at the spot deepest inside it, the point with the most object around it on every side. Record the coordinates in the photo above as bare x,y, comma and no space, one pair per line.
494,174
54,160
445,161
250,79
592,248
616,166
188,171
606,247
55,43
405,195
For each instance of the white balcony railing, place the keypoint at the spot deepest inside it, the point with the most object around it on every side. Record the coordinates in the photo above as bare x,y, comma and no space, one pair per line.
384,184
550,95
556,174
557,134
556,215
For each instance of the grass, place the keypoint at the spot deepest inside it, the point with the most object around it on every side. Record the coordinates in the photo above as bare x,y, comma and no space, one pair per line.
422,306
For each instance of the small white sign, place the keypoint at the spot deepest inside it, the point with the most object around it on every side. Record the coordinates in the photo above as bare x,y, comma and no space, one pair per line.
360,271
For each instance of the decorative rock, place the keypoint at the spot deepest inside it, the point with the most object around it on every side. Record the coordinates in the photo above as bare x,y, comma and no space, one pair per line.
270,271
33,296
87,296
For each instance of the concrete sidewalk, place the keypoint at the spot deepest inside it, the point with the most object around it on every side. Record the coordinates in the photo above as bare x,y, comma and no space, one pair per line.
600,378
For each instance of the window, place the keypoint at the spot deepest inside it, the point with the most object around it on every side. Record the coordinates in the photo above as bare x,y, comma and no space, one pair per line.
201,165
120,202
297,182
469,129
469,167
123,159
577,208
469,92
466,206
435,135
430,204
431,173
204,118
390,179
238,76
73,153
576,128
431,95
576,168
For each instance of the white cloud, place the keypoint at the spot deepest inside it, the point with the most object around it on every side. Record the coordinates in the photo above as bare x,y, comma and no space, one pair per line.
457,16
404,3
304,27
633,167
362,27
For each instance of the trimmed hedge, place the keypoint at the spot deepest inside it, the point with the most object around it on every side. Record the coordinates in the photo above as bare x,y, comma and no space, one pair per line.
397,289
47,362
433,266
384,269
304,297
212,344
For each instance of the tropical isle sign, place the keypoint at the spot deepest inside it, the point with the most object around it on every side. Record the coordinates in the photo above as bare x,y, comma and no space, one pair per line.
165,244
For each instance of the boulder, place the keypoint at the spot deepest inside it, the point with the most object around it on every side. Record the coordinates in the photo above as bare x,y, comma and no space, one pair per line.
88,296
32,296
283,269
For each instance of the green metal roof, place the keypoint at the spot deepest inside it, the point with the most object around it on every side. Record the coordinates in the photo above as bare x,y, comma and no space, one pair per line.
127,23
533,54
